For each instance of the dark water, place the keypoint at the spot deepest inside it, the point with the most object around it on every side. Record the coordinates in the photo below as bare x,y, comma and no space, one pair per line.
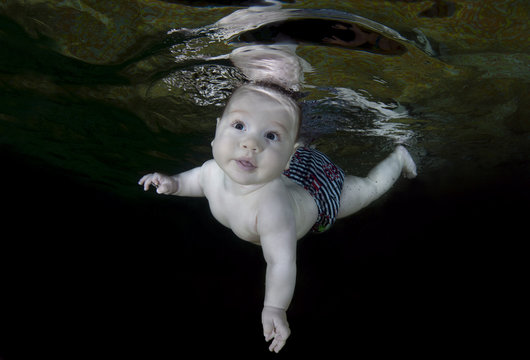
93,96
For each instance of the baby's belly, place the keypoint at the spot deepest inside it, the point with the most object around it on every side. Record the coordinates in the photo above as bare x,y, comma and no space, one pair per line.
304,207
244,230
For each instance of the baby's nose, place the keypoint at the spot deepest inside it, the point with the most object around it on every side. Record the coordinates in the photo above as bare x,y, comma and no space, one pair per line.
250,144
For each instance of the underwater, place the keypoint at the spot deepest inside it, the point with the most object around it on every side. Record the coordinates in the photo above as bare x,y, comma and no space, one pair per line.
95,94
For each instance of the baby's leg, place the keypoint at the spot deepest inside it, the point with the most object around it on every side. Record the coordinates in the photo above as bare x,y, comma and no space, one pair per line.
359,192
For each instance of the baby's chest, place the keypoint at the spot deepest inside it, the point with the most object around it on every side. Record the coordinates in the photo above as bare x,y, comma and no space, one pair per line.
238,215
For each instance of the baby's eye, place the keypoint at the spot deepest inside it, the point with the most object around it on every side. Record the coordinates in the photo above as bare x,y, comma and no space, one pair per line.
238,125
272,136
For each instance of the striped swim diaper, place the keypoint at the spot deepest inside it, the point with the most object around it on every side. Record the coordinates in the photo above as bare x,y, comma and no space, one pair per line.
315,172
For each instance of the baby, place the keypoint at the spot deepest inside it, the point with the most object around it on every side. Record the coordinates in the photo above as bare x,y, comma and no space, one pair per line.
272,191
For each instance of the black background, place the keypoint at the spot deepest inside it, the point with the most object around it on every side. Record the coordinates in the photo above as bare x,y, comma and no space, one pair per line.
429,269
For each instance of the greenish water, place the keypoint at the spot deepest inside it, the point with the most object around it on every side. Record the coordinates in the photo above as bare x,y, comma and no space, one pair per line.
95,94
149,102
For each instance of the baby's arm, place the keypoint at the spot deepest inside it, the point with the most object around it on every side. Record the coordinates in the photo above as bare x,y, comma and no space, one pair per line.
277,229
359,192
184,184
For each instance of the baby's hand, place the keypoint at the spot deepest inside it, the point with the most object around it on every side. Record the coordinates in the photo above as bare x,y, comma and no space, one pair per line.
164,184
275,327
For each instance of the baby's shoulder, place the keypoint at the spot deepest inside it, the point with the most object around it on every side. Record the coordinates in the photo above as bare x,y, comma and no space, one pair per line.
211,173
209,164
211,168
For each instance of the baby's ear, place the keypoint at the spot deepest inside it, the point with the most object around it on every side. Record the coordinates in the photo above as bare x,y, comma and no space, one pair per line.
297,145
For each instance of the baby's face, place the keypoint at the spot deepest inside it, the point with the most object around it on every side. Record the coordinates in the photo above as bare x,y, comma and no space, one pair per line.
255,138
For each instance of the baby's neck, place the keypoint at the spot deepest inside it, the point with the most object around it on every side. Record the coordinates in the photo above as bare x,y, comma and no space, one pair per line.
237,189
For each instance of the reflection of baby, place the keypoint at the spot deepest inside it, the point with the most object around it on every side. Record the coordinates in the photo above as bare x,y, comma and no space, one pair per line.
271,191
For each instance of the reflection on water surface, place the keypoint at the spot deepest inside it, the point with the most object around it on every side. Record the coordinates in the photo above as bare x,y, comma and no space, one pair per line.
453,96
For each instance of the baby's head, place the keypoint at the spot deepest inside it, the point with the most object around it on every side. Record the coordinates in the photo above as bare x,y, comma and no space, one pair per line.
286,99
257,133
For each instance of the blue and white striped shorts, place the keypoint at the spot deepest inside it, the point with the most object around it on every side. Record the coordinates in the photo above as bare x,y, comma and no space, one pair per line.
315,172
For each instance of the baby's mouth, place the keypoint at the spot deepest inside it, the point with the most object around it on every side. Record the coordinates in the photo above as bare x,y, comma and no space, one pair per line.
245,165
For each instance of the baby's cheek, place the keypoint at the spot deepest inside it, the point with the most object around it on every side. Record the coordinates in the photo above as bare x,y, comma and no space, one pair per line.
280,162
286,155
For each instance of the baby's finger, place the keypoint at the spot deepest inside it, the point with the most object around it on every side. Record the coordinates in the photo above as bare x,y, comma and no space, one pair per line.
162,189
142,180
282,329
267,330
151,181
147,183
277,344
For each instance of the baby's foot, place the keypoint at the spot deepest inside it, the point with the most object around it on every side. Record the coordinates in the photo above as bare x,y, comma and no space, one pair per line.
409,167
